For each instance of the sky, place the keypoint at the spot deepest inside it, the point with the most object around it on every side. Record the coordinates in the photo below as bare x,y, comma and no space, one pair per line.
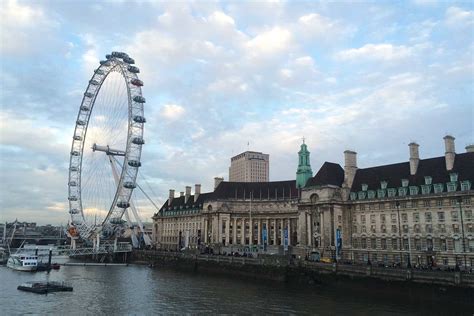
222,77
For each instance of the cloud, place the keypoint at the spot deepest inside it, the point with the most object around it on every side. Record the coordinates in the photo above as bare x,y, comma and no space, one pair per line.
172,112
383,52
268,43
457,17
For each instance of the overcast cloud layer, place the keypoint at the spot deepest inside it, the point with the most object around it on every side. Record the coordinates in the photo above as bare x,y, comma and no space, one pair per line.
368,76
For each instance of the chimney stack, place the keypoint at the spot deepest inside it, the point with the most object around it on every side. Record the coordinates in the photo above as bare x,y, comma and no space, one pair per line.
450,152
188,194
350,167
414,157
181,193
470,148
197,191
217,181
171,197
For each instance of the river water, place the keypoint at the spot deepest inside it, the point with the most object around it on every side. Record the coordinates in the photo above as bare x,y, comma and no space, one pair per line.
140,290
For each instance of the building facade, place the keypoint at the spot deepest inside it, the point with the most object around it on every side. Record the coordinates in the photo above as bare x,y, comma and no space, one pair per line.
414,212
249,166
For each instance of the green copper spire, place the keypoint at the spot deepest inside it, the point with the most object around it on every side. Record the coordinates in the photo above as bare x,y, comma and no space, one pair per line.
304,172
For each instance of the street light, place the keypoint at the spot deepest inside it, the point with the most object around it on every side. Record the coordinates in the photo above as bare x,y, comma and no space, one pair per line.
462,230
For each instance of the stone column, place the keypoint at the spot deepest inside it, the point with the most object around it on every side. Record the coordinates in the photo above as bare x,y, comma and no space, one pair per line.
206,238
275,231
308,228
289,231
242,231
234,232
268,230
282,231
259,232
227,232
250,232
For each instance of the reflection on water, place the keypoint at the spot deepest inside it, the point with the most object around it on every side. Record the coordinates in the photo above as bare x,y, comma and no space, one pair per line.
121,290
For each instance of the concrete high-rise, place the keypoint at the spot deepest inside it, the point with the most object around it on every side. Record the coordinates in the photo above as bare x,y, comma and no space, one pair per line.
249,166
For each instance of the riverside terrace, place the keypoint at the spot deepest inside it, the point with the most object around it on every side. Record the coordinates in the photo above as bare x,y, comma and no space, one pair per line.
283,268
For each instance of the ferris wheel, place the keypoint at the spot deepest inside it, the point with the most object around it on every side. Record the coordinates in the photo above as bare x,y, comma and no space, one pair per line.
106,149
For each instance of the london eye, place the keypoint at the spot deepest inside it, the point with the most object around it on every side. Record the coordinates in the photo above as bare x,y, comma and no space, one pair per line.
106,149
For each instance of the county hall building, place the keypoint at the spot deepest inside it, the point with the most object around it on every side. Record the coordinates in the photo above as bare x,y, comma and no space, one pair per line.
417,212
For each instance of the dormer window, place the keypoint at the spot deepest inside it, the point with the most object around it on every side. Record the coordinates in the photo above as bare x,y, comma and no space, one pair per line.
426,189
361,195
465,185
413,190
438,188
453,177
383,185
428,180
391,192
353,196
364,187
371,194
402,191
452,186
404,183
381,193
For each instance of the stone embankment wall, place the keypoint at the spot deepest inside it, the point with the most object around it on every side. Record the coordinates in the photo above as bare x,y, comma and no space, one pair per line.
282,268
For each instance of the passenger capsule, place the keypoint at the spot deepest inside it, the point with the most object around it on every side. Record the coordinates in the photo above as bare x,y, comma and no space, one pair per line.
72,198
85,108
129,185
75,153
72,183
74,211
129,60
104,62
139,99
139,119
99,71
116,221
133,69
138,141
77,137
108,56
74,168
80,122
123,204
137,82
89,94
134,163
94,82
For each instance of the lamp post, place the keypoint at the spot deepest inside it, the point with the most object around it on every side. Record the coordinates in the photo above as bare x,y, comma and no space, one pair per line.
462,231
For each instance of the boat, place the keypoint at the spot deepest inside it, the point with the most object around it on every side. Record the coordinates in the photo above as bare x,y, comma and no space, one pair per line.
22,262
45,287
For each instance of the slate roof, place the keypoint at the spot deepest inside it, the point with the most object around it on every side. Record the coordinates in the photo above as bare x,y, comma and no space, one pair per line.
238,190
433,167
330,173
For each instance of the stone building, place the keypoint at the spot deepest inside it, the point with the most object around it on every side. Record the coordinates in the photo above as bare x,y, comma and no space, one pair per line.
419,211
249,166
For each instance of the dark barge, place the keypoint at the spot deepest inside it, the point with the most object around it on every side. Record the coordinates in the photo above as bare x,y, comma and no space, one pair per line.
45,287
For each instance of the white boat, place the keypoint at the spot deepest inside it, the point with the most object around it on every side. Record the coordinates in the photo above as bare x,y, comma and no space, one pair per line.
23,262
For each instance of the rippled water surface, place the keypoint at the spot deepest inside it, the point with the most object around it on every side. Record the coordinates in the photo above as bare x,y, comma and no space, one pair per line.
138,290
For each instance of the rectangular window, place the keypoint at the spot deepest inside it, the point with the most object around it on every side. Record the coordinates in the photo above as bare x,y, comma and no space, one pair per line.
371,194
413,190
454,216
468,214
382,218
417,228
363,229
428,217
373,243
404,217
444,245
452,186
438,188
439,202
470,228
383,229
453,177
456,228
403,204
363,243
426,203
362,219
429,228
381,206
372,218
466,201
441,216
394,228
465,185
362,207
405,229
428,180
453,202
416,217
405,244
425,189
429,244
372,228
418,244
394,244
354,229
383,243
442,228
393,218
381,193
402,191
